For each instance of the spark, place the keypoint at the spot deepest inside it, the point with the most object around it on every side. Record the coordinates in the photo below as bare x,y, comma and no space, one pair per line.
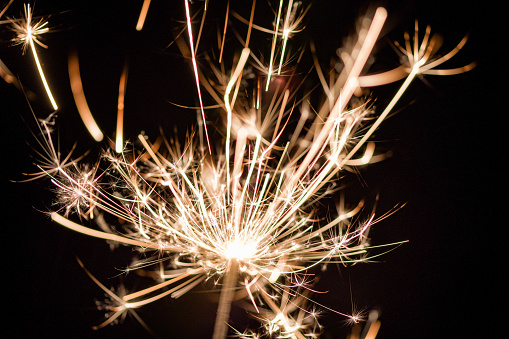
286,31
224,31
27,35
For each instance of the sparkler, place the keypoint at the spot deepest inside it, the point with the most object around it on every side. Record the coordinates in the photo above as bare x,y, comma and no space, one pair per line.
244,214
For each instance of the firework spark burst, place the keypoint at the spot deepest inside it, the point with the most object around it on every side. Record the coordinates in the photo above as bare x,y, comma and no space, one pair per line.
242,214
28,34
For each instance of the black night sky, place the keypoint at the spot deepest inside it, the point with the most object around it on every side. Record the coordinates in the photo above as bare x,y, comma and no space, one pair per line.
446,282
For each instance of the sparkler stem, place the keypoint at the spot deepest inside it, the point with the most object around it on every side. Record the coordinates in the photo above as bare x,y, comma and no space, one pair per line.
225,300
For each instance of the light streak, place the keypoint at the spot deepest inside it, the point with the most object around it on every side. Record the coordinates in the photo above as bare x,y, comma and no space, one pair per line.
2,12
97,234
236,74
119,143
43,78
224,31
245,215
80,100
143,15
286,32
195,69
273,48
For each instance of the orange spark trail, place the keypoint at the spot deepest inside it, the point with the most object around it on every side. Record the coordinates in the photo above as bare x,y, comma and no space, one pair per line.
143,15
79,98
224,30
119,145
5,8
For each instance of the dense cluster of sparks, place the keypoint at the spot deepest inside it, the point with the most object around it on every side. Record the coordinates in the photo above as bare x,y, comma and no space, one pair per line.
241,212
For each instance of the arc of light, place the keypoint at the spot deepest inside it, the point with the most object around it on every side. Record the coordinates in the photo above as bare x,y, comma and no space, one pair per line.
191,282
41,73
195,69
107,236
154,288
79,98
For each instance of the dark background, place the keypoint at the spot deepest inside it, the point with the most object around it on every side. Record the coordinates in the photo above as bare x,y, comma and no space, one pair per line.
447,145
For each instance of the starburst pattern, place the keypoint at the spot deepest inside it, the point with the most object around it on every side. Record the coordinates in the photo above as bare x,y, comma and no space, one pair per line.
27,31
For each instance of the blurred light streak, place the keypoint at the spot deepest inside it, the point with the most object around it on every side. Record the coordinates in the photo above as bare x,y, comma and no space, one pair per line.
43,78
233,79
79,98
119,143
5,8
102,235
224,31
143,15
